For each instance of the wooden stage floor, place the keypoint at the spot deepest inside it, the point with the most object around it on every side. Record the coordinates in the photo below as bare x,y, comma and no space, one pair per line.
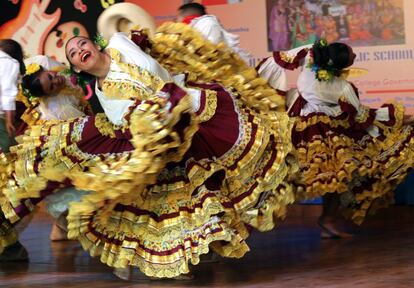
380,255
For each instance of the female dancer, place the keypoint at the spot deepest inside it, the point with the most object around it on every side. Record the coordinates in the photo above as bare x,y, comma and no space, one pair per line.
51,97
167,180
343,147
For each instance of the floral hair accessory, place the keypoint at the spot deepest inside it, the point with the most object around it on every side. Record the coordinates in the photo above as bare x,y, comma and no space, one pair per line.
101,41
323,75
26,92
321,43
32,68
324,72
76,78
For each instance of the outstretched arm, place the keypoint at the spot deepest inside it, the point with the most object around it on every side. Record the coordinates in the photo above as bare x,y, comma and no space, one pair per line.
292,59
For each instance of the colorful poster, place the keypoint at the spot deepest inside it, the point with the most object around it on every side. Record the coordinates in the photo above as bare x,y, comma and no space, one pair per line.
295,23
43,26
378,30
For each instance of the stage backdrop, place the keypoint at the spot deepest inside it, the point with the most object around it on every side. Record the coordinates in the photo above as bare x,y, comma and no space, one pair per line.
382,32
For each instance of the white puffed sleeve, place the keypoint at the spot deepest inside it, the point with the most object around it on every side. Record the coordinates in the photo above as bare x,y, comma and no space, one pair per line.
9,74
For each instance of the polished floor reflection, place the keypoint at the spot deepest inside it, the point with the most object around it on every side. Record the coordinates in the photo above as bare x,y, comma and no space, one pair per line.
380,255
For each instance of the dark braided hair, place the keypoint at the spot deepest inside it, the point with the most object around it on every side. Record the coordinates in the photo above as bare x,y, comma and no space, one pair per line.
335,55
32,83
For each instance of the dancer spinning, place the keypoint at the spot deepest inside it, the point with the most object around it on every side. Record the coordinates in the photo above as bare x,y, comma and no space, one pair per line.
167,180
51,97
343,147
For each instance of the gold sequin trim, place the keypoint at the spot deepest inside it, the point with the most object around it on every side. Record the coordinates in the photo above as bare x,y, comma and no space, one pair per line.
210,106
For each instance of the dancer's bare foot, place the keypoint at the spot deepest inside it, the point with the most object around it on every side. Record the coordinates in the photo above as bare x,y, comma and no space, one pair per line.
57,233
329,230
59,229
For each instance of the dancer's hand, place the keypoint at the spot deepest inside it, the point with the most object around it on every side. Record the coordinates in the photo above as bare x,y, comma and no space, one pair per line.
10,123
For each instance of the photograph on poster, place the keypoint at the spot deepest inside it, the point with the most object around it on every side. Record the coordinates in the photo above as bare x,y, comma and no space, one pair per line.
295,23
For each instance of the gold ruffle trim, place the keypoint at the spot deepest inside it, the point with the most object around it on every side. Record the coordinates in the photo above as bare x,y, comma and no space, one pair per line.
8,235
200,227
32,116
155,142
210,106
285,57
267,200
104,126
180,48
125,178
386,162
150,84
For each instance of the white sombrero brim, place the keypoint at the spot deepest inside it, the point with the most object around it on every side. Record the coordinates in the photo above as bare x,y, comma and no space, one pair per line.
134,15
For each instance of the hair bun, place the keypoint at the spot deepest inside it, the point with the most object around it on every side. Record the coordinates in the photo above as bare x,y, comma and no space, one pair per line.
320,55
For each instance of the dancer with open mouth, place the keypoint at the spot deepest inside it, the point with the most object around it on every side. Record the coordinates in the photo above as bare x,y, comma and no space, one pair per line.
176,166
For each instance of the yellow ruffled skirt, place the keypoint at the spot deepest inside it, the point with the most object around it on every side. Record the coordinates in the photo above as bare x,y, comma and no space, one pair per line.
337,155
173,183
